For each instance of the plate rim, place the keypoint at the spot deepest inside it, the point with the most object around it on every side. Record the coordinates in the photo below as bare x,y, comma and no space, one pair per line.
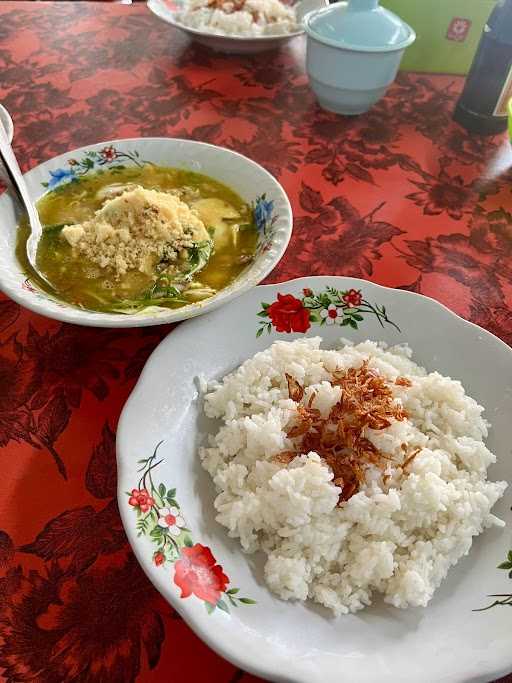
264,668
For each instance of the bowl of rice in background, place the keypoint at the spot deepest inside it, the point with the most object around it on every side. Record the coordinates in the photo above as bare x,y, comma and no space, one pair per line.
236,26
316,480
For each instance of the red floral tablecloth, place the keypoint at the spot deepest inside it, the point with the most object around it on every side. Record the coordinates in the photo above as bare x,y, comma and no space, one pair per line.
401,196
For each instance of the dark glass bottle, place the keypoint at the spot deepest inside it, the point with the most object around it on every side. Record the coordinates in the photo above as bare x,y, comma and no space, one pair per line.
482,107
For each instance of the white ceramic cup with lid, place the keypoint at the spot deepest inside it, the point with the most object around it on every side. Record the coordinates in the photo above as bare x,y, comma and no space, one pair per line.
354,50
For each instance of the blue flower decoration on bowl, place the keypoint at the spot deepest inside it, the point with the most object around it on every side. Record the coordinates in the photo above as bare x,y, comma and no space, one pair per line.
60,177
89,162
262,212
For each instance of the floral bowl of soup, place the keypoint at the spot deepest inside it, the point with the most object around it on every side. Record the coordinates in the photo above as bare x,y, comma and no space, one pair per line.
143,232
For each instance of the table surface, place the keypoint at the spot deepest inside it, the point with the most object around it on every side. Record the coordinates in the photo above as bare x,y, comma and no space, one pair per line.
401,196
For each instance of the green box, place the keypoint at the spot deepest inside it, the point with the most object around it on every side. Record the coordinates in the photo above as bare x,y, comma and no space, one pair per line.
443,44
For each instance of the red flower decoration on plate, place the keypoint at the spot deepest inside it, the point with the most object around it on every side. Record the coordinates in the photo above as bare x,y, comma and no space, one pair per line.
344,308
353,298
288,314
197,572
158,559
159,517
108,153
141,499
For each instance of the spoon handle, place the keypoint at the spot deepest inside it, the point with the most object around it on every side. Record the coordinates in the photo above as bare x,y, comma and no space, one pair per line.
16,180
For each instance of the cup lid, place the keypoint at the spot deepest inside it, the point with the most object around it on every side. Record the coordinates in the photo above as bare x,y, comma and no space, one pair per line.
360,25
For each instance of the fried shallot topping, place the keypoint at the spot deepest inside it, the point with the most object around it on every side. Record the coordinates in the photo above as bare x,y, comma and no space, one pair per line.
403,382
231,6
227,6
366,402
408,460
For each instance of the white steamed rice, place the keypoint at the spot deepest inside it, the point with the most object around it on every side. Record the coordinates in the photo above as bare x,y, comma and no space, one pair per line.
398,539
256,18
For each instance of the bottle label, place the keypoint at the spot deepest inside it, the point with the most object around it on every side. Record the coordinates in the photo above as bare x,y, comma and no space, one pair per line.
501,108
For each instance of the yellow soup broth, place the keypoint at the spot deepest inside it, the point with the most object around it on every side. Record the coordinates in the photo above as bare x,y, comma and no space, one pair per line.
227,217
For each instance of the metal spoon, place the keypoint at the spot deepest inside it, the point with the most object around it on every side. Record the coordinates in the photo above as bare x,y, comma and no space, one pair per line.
18,186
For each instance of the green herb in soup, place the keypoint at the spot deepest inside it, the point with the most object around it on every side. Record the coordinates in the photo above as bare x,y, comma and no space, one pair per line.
122,240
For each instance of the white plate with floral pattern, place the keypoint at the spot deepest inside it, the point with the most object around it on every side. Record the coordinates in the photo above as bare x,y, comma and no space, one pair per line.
272,215
165,497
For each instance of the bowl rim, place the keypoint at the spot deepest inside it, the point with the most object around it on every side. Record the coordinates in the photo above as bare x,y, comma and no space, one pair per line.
156,7
70,314
263,667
